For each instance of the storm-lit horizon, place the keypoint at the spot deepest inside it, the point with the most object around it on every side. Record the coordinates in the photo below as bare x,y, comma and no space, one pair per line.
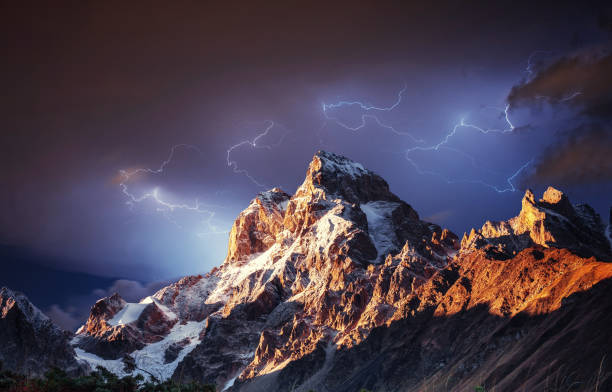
134,135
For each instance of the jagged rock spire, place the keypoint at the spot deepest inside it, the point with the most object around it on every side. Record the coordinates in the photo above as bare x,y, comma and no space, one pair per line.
551,221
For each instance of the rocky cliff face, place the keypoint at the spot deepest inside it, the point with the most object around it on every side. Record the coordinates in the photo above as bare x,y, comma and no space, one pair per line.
29,342
321,268
550,222
342,286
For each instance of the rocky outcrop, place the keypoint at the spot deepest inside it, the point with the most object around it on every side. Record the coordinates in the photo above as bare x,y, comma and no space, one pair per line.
29,341
256,228
115,328
511,325
303,273
550,222
342,286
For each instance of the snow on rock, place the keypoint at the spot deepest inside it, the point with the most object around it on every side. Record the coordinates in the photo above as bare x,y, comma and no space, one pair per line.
151,358
336,163
128,314
380,226
150,361
289,258
229,384
112,365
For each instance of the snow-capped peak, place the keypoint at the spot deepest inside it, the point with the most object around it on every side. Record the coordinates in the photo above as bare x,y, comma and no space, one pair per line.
331,162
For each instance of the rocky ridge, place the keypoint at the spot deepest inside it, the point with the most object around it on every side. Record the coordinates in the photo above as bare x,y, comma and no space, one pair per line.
550,222
29,341
318,268
341,286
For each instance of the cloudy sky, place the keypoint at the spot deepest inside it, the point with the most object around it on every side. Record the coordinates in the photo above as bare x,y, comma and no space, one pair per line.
133,134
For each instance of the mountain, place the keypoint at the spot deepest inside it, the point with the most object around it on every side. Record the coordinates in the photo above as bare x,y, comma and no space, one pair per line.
550,222
29,341
342,286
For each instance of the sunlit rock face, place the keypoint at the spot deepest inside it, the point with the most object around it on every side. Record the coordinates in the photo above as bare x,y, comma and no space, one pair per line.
257,227
115,328
550,222
342,286
29,341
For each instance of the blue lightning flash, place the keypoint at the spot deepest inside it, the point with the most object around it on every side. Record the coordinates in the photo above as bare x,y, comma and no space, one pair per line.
529,69
164,205
509,128
254,143
442,144
367,109
445,140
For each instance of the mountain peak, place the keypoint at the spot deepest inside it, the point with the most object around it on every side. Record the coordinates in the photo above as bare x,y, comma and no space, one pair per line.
29,341
309,279
256,228
551,221
330,162
10,299
331,176
553,195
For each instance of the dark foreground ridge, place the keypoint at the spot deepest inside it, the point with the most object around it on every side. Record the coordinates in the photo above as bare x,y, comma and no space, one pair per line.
342,286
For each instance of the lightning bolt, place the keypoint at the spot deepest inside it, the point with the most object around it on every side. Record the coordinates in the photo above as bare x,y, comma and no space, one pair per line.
367,116
510,188
445,140
254,144
462,124
508,128
442,144
529,69
164,205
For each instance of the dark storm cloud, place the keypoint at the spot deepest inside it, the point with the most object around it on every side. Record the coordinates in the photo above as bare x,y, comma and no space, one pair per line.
580,84
583,81
583,157
65,319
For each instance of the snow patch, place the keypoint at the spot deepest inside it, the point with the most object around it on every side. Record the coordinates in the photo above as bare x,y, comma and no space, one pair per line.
128,314
114,366
380,226
150,360
344,165
233,275
283,205
229,384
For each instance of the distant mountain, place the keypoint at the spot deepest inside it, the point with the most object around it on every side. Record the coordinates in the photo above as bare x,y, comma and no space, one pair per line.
32,273
342,286
29,341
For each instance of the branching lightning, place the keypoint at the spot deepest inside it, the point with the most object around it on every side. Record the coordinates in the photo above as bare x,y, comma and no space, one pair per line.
253,143
510,188
529,69
367,116
445,140
508,128
163,205
442,144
